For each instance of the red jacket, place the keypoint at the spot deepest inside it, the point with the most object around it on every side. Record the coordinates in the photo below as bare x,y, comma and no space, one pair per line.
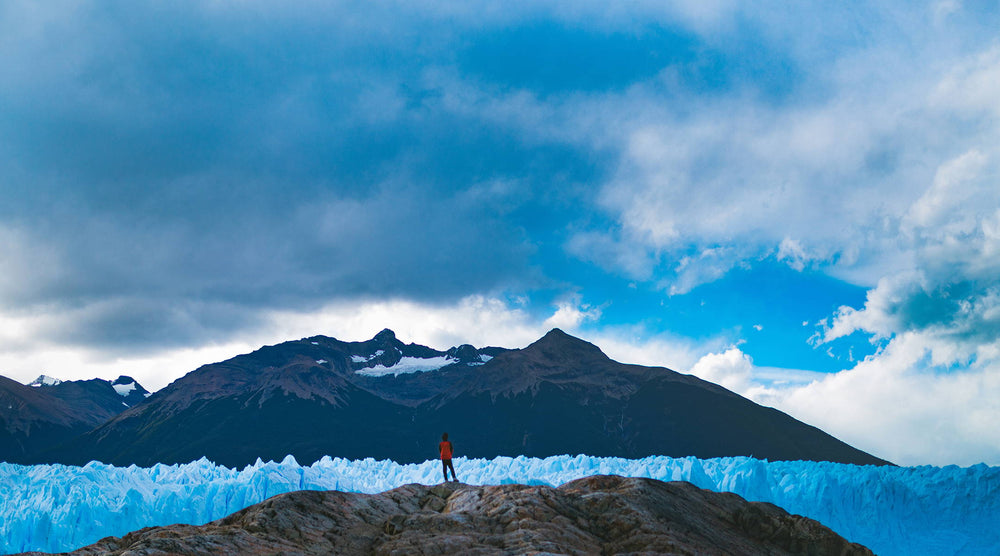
446,450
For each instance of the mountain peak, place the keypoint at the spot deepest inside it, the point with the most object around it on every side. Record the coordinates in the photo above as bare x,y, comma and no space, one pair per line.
555,333
385,334
45,380
557,344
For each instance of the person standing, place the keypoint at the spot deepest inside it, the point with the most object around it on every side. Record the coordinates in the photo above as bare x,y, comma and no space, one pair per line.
447,450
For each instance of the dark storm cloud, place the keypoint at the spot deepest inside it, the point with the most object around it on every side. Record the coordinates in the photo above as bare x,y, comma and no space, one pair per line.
194,158
155,280
177,167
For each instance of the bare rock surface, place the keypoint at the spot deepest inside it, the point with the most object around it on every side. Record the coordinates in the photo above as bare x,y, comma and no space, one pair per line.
595,515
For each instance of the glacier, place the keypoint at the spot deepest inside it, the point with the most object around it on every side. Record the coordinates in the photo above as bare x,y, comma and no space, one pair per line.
892,510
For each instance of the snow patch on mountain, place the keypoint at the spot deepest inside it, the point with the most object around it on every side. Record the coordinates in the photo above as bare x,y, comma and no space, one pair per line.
408,365
483,360
44,380
124,389
892,510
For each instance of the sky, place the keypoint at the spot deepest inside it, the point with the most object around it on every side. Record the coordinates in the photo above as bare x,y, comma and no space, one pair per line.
798,202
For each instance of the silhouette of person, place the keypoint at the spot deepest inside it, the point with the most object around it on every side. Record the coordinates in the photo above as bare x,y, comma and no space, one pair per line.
446,450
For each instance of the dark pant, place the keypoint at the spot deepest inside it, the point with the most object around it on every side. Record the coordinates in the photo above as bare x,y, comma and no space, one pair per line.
445,466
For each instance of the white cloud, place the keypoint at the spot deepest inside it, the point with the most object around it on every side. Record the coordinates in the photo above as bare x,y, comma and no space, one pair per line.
955,200
636,345
950,294
895,404
898,406
929,396
882,319
794,254
570,315
705,266
751,181
818,180
972,86
731,369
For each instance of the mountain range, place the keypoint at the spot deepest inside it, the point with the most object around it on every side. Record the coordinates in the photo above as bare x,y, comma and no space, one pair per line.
48,411
386,399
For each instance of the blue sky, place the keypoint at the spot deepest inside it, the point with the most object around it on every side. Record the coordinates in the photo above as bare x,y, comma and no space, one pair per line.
798,202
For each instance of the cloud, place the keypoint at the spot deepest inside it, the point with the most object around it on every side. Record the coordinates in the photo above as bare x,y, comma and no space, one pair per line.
955,185
28,349
951,292
302,112
896,404
570,315
610,252
926,394
119,280
901,405
198,177
179,164
823,175
731,369
791,252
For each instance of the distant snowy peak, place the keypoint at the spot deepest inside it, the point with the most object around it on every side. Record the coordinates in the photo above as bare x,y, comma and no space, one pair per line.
384,355
124,386
44,380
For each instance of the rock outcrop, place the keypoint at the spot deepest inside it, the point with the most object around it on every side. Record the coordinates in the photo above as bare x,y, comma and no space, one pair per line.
594,515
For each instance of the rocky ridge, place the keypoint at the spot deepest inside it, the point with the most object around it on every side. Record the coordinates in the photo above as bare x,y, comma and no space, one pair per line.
602,514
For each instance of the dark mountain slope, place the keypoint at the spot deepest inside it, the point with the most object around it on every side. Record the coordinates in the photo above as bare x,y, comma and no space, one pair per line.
49,412
31,420
97,400
560,395
304,398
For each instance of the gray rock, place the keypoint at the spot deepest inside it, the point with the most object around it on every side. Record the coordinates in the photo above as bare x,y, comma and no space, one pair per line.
594,515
